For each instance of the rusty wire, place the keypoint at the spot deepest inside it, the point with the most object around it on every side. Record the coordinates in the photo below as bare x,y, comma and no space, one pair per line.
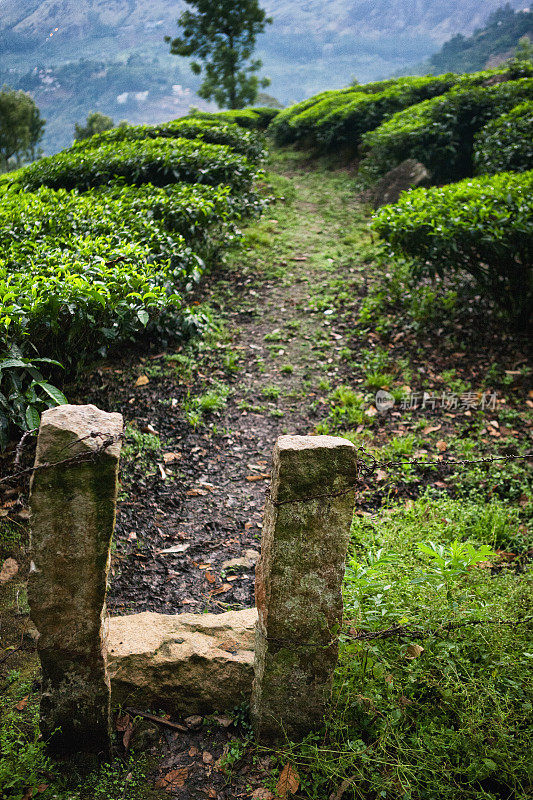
366,470
79,458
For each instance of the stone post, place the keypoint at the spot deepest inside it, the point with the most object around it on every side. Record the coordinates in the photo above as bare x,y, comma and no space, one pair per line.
72,519
298,583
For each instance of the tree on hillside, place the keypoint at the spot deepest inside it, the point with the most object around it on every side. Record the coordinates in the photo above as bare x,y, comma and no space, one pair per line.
96,123
21,127
222,35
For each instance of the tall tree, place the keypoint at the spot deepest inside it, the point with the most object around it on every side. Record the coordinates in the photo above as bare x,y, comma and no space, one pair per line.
222,34
21,127
96,123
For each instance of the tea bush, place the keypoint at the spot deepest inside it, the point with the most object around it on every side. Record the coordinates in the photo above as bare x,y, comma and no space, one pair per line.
158,161
340,118
330,124
506,143
81,270
248,143
281,128
440,132
483,226
257,118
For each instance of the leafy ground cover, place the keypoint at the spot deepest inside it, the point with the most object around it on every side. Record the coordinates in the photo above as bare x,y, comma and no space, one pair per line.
315,318
341,119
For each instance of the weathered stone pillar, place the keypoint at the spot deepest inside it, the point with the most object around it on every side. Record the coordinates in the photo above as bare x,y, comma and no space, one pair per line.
298,583
72,519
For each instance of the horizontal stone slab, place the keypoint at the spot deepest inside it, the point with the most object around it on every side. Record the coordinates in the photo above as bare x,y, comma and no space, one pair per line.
186,663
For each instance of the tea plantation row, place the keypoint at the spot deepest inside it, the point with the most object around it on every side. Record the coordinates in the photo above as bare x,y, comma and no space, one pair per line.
457,126
102,243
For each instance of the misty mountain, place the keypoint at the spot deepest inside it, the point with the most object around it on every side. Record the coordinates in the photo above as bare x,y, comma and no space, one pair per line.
75,56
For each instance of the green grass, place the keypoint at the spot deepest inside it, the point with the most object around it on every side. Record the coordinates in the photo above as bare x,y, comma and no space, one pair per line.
452,722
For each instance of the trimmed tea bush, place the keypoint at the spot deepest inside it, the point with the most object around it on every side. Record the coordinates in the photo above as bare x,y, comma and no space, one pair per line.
331,126
79,271
157,161
248,143
506,143
253,118
284,127
483,226
440,132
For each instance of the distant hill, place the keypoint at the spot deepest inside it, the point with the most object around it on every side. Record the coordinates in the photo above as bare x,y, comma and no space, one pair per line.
488,46
75,56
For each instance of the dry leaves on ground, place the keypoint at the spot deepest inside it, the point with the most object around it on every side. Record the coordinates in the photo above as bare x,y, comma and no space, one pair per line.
9,570
288,781
172,780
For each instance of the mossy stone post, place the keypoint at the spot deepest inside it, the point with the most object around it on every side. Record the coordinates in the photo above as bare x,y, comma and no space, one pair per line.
298,583
73,509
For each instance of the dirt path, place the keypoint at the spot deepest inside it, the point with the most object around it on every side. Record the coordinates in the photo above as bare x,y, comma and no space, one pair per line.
202,490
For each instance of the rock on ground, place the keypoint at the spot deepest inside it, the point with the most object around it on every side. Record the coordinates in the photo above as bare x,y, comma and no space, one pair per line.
187,663
407,175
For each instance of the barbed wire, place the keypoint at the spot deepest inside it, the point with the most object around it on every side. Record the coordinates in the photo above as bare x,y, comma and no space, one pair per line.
400,631
79,458
365,470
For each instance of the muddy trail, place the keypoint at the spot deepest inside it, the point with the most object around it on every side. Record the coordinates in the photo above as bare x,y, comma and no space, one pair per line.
203,418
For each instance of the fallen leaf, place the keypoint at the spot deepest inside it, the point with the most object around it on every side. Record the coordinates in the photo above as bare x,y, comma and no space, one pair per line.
413,651
207,758
441,446
177,548
288,781
42,787
381,475
149,429
162,472
371,411
122,722
432,429
21,705
262,794
174,779
261,477
169,458
210,576
193,751
221,589
224,721
24,513
9,570
142,380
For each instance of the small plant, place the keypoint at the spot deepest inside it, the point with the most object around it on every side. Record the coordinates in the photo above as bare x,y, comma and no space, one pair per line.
287,369
271,392
450,563
24,393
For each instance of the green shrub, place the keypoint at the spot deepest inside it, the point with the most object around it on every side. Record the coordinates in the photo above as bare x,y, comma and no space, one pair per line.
332,126
252,118
506,143
284,127
483,226
80,271
440,132
248,143
157,161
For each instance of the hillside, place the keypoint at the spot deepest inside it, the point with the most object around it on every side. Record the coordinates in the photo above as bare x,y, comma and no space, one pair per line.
487,47
310,46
